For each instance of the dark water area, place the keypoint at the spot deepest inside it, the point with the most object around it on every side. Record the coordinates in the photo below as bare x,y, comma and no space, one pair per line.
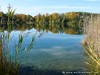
52,53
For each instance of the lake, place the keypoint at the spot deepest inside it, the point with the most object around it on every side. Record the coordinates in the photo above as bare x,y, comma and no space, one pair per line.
51,51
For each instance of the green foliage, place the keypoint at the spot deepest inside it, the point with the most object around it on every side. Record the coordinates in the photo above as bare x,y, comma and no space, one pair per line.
10,15
9,66
73,20
1,14
93,61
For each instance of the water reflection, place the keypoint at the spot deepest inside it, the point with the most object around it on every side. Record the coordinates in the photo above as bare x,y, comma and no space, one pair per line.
10,51
45,28
52,53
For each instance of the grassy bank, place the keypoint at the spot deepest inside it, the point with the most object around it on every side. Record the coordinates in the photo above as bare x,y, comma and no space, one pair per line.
92,44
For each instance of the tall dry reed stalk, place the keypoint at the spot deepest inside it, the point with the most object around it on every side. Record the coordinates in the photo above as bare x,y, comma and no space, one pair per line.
92,44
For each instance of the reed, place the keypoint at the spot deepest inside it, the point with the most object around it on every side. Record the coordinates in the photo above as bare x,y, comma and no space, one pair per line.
8,65
92,44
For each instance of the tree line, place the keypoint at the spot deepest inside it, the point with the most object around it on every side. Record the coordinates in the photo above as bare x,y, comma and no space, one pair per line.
73,20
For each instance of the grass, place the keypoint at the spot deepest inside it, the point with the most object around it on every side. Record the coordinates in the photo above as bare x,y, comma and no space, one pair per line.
92,45
9,66
93,62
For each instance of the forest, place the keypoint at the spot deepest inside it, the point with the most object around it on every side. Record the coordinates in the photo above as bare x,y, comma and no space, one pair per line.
69,20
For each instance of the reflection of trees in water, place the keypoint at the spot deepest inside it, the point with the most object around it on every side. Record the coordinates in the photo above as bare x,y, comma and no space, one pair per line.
57,29
0,50
52,28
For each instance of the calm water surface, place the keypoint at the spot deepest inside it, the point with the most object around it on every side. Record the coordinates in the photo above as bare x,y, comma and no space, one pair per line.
52,51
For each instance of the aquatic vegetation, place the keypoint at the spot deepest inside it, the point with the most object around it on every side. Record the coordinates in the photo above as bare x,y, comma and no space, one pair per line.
8,64
92,45
93,61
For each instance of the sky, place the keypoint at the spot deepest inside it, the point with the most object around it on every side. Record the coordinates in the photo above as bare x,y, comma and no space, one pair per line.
34,7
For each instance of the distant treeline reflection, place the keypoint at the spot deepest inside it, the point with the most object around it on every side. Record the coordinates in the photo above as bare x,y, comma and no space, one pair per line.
45,28
70,23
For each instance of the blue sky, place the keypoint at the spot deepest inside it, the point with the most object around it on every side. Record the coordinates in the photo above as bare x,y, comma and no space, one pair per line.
34,7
